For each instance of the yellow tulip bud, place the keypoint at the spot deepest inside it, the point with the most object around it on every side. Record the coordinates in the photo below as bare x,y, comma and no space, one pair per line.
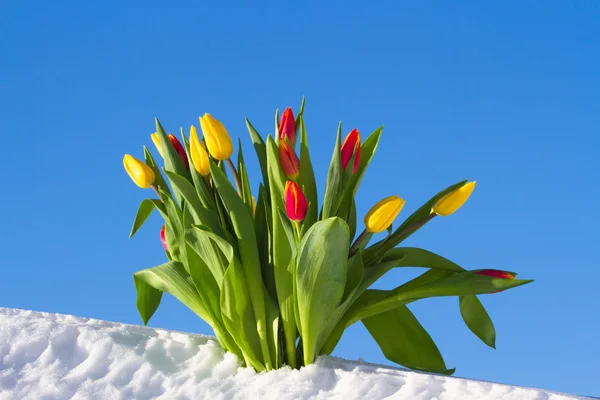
216,137
253,205
453,200
141,174
199,154
382,214
156,141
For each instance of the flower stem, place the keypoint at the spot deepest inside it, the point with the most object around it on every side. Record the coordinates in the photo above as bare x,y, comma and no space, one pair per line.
357,243
297,225
236,177
157,192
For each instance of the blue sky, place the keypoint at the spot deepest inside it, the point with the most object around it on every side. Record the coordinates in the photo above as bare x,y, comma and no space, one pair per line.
505,93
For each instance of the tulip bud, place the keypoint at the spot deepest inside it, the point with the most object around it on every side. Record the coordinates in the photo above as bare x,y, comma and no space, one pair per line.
216,137
163,240
156,141
453,200
199,154
495,273
141,174
295,202
287,126
382,214
253,205
351,143
288,161
180,150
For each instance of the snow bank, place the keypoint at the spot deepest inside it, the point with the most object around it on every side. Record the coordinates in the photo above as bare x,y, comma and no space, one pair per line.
52,356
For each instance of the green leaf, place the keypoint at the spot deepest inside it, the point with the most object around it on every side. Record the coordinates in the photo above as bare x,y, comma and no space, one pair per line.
159,181
173,279
403,340
262,226
174,227
148,299
455,284
144,211
477,319
307,179
320,279
351,219
243,227
215,251
273,328
353,283
333,189
261,152
173,162
299,116
201,215
244,181
238,315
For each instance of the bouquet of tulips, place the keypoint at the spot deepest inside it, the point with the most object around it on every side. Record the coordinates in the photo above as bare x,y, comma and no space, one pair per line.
279,278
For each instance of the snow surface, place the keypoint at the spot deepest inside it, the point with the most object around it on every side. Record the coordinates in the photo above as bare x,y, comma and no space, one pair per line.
52,356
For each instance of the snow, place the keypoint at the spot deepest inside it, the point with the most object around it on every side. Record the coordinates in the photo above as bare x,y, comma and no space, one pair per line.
47,356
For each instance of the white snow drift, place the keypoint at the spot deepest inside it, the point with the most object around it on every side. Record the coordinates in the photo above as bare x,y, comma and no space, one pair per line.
52,356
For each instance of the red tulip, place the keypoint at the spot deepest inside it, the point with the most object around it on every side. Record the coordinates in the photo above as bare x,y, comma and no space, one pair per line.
351,142
295,202
162,238
180,150
288,160
287,127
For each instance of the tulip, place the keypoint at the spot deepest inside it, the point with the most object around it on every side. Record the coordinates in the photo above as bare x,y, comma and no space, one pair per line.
141,174
199,154
162,238
382,214
295,202
287,126
288,161
253,205
495,273
180,150
156,141
176,144
351,143
216,137
453,200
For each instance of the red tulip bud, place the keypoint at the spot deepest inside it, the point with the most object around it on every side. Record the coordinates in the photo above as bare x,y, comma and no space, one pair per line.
288,161
351,143
162,238
287,127
180,150
495,273
295,202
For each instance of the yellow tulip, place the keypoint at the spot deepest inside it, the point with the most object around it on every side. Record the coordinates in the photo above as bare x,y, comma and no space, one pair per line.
253,205
216,137
382,214
453,200
141,174
156,141
199,154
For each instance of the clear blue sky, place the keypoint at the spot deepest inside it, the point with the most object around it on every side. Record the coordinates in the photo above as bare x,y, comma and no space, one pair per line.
506,93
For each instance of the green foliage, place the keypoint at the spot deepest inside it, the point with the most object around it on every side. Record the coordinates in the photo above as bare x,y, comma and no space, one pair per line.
280,292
